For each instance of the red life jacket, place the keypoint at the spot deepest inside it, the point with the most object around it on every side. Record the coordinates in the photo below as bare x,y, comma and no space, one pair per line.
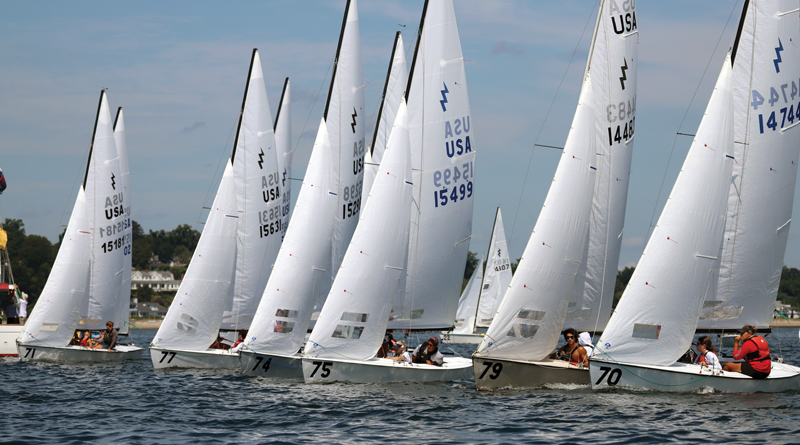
759,359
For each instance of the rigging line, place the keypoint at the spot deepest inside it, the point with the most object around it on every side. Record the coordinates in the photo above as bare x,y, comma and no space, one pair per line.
675,140
214,178
530,161
312,106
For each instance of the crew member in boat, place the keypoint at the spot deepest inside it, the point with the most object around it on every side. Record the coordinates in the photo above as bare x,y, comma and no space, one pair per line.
585,340
386,346
87,342
219,343
755,352
109,337
426,353
572,351
706,356
12,314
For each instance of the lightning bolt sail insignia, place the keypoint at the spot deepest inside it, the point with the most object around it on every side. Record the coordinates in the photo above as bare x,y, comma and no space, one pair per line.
261,159
624,74
444,98
778,59
284,178
113,183
353,125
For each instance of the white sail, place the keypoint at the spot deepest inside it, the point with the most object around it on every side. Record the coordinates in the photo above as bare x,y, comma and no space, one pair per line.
300,271
443,162
260,199
194,317
393,90
468,303
122,150
353,321
344,119
283,140
532,312
612,63
497,276
766,63
106,214
655,320
56,314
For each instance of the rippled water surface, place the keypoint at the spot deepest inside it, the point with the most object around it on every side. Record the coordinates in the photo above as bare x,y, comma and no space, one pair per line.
131,403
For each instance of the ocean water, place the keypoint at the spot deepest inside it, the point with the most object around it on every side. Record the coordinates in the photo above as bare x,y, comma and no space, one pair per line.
132,403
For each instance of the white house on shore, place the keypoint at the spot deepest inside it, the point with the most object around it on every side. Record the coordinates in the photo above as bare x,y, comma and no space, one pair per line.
158,280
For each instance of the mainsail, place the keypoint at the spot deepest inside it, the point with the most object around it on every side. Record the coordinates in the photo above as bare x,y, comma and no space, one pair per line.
443,165
612,63
497,276
105,209
283,141
259,201
468,303
122,150
762,186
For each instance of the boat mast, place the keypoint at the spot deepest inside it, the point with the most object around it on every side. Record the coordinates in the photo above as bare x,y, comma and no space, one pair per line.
383,96
244,101
280,104
94,132
336,61
416,49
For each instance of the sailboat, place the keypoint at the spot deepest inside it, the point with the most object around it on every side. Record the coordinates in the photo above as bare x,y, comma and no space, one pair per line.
574,246
393,91
84,289
219,293
655,321
322,224
442,163
479,312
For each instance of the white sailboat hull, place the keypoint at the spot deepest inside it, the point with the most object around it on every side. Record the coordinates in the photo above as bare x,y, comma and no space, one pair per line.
461,339
8,339
163,358
682,377
493,373
78,354
271,365
382,370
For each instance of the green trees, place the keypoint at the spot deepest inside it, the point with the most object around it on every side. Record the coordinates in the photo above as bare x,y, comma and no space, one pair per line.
177,244
31,257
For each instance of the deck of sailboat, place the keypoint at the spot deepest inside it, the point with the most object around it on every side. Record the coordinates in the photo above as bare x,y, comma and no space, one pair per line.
268,364
684,377
383,370
183,358
493,373
78,354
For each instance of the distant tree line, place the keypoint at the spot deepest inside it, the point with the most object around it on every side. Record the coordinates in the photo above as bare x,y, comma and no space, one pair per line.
32,256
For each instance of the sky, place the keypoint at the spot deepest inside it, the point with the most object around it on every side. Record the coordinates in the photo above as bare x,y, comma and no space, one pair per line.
179,69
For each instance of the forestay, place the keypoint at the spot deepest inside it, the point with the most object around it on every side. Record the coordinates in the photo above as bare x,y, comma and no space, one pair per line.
443,162
393,90
56,314
612,63
468,303
259,200
193,319
353,321
107,219
122,151
497,276
529,320
655,320
766,66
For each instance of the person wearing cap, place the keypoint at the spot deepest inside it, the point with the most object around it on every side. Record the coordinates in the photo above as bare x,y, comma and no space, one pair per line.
755,352
426,353
109,337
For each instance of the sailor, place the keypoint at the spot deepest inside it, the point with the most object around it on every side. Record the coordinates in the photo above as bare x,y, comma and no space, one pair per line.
109,337
706,355
754,351
585,340
572,351
426,353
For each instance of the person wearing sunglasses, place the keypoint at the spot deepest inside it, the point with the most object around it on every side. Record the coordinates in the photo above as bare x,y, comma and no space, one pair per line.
572,351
